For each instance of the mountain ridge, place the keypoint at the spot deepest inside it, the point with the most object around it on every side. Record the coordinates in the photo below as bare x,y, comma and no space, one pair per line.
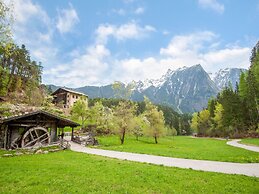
186,89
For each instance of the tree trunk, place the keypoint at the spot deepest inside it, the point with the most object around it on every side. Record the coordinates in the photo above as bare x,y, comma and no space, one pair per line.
123,136
156,139
137,137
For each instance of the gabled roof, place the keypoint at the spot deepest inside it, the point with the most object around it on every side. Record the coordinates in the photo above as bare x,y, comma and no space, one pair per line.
68,90
62,122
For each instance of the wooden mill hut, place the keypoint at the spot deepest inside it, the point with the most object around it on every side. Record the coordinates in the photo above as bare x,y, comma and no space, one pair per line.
36,128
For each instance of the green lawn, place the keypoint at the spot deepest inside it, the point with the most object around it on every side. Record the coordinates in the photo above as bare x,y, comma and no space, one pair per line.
251,141
181,147
70,172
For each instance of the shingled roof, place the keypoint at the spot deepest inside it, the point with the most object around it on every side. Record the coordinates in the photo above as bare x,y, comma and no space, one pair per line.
68,90
61,122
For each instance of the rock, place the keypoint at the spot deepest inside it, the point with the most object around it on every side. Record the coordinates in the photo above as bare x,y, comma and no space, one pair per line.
39,152
18,153
45,152
54,150
8,155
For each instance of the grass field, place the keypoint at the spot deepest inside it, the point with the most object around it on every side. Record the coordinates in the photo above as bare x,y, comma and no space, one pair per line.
70,172
181,147
251,141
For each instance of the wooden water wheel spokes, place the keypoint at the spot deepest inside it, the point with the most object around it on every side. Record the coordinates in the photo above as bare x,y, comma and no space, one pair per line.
35,136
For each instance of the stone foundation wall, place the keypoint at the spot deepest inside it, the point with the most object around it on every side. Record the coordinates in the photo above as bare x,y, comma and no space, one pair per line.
2,136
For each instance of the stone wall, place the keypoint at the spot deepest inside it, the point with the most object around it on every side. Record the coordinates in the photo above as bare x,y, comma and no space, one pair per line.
2,136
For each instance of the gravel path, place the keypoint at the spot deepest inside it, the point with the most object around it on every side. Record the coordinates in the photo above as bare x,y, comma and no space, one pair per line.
247,147
203,165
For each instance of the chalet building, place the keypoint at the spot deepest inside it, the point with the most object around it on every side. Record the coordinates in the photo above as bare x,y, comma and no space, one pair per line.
66,97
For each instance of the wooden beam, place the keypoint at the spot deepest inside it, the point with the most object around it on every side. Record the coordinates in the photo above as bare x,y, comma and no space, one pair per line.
22,125
72,135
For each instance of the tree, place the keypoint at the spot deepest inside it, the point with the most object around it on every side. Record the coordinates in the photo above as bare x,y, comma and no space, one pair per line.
100,117
195,122
211,107
79,111
122,91
6,20
139,126
218,119
155,121
204,122
123,118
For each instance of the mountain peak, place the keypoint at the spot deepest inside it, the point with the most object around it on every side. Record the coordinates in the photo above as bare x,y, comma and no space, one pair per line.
227,76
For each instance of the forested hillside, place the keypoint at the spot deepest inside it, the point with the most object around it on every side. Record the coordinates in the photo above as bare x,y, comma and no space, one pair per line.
20,76
235,111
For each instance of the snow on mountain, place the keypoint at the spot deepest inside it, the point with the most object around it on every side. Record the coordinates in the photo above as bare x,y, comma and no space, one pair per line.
227,77
186,89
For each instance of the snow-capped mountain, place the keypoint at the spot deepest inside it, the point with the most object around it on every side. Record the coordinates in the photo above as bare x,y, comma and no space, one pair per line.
229,76
186,89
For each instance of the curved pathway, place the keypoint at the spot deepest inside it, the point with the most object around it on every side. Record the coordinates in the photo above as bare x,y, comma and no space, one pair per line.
247,147
203,165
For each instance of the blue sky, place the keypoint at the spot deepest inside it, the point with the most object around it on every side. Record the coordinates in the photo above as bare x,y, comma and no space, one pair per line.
98,42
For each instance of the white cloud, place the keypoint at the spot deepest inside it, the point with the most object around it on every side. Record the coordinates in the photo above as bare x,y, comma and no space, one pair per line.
129,30
87,68
213,5
184,50
34,28
98,66
181,45
139,10
25,10
67,19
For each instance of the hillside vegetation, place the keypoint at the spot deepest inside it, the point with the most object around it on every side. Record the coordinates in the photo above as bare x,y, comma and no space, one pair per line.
235,112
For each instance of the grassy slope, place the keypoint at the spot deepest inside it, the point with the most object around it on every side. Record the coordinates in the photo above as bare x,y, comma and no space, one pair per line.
70,172
251,141
181,147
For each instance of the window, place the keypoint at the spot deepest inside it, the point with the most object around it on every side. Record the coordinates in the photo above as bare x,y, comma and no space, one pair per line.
73,96
76,97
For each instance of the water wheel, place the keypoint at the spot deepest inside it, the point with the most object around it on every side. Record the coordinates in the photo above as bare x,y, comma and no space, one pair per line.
35,136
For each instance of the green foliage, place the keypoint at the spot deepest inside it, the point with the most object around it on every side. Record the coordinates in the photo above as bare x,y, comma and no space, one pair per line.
6,20
236,112
172,119
17,70
195,122
218,124
122,91
100,118
204,122
4,79
79,111
123,118
140,124
155,118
